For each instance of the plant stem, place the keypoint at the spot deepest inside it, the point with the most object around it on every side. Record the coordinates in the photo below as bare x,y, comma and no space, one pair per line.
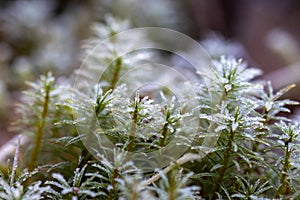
256,145
284,185
163,140
85,154
116,73
223,97
40,129
225,163
182,160
172,187
134,195
113,191
131,143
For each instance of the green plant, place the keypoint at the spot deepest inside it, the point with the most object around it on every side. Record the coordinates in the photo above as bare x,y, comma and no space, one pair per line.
242,148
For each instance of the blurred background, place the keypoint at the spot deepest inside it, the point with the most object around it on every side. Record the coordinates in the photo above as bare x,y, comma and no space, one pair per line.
37,36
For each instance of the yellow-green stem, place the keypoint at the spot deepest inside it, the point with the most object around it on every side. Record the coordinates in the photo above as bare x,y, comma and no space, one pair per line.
164,134
131,143
40,130
284,188
116,73
172,188
113,191
225,163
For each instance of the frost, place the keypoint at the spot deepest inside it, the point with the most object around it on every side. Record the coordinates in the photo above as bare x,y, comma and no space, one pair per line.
234,126
232,130
227,87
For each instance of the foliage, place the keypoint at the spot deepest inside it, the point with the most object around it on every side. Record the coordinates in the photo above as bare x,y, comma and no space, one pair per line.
243,148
